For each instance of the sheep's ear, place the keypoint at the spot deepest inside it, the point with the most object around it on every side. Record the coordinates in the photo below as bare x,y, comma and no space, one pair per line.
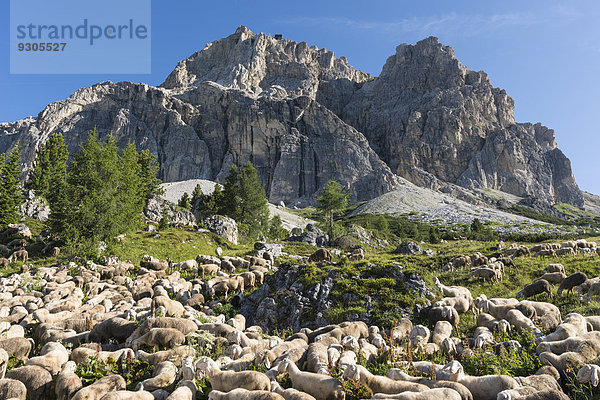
595,376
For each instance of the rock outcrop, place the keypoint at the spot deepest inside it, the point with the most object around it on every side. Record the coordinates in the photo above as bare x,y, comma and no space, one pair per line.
303,117
435,122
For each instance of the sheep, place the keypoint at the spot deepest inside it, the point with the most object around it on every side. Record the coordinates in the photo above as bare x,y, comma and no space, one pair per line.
185,326
554,277
521,322
228,380
12,389
482,336
320,255
573,325
185,390
431,394
381,384
18,348
593,291
112,328
128,395
321,387
231,284
163,376
19,255
52,357
571,281
584,288
67,382
452,291
173,308
160,337
100,388
399,375
317,358
419,335
555,268
4,262
82,355
445,313
482,387
589,373
243,394
540,382
593,322
565,251
568,344
290,394
461,304
37,380
485,273
538,286
442,330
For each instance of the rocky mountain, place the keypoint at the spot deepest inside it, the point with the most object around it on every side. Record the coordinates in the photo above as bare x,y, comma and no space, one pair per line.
304,116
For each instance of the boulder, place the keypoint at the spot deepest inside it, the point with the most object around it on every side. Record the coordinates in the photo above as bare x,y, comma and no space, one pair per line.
313,236
223,226
154,212
409,248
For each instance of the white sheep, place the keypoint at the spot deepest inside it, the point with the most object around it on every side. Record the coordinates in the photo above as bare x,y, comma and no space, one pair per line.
228,380
67,382
431,394
243,394
484,387
381,384
589,373
52,357
291,393
321,387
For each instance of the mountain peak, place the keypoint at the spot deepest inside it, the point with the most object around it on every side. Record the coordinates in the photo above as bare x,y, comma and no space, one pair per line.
253,63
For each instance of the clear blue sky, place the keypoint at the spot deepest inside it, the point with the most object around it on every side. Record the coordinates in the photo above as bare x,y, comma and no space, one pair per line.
546,54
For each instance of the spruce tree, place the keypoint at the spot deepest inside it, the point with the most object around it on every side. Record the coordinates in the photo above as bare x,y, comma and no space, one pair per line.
50,167
254,209
148,174
10,195
196,197
184,201
231,194
332,200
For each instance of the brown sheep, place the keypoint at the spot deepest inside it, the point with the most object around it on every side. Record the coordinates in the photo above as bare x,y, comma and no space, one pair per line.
19,255
320,256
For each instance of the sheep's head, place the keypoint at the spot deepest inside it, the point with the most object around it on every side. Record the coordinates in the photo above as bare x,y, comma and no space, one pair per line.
350,343
352,372
451,371
589,373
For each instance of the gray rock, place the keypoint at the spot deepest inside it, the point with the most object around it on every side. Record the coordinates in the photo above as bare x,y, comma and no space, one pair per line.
154,212
277,103
34,207
274,249
409,248
223,226
433,121
313,236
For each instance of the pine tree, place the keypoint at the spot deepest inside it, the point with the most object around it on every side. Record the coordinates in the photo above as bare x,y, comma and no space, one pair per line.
332,200
231,194
184,201
10,195
165,220
50,167
254,210
196,197
149,170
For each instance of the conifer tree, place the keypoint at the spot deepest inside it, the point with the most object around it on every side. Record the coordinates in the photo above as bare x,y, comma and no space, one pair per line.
332,200
196,197
253,210
10,194
184,201
50,167
231,194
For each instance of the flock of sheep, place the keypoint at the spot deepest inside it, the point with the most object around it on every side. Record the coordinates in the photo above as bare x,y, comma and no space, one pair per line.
57,318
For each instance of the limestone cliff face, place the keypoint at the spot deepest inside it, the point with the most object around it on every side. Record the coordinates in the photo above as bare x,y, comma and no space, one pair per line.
435,122
303,117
